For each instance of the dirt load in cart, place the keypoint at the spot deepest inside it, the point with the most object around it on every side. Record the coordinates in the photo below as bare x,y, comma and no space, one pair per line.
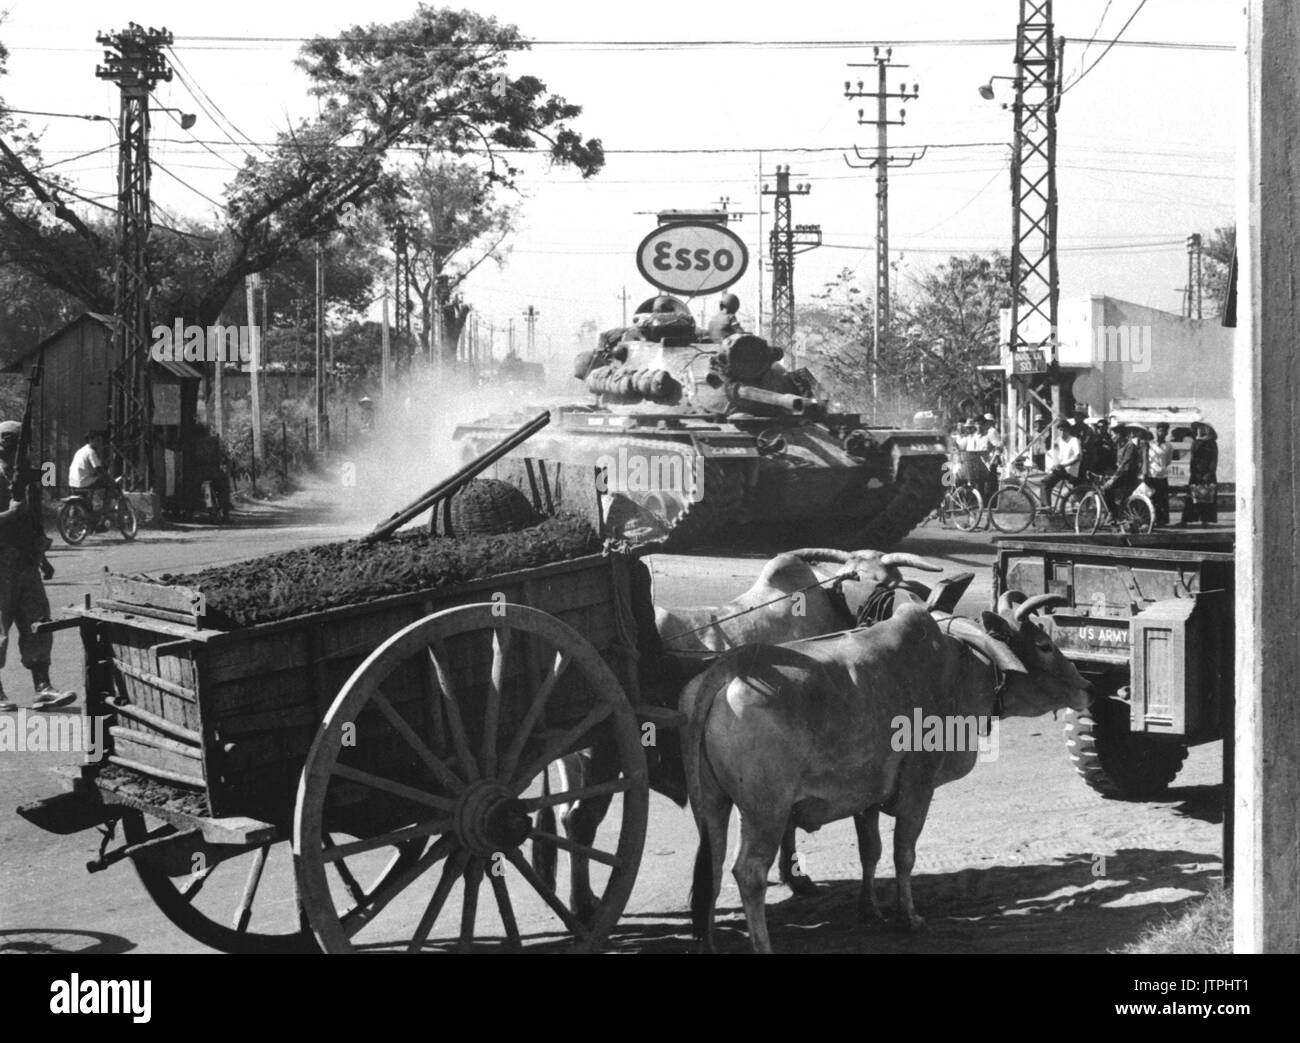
1150,623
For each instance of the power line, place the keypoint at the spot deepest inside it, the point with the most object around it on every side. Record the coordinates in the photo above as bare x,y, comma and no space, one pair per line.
197,192
673,45
1070,86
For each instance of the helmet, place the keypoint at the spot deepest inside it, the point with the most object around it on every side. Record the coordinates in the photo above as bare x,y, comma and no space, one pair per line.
729,302
10,429
665,306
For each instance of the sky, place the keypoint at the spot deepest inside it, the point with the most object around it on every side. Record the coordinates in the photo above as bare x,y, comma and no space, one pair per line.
1145,139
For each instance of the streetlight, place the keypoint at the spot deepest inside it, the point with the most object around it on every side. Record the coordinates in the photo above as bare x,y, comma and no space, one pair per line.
188,119
986,89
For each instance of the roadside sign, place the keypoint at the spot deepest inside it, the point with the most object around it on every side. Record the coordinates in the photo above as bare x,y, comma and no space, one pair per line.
692,258
1029,362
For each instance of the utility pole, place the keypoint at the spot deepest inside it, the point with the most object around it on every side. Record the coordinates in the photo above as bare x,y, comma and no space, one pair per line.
530,317
511,335
881,164
623,298
402,289
1194,276
319,396
133,60
784,239
251,283
298,304
1035,282
384,348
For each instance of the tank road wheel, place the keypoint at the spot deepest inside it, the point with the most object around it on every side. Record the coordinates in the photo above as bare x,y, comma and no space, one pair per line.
719,509
210,891
1011,509
1116,762
917,492
461,713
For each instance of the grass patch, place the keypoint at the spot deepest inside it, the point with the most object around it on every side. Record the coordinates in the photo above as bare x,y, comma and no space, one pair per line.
1203,928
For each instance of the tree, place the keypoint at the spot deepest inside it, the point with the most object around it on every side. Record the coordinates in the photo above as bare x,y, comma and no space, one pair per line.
1217,248
436,81
452,221
941,332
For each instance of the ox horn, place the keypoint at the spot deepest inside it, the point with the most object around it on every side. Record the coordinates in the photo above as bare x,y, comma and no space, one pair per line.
971,633
1029,607
813,555
912,561
1008,601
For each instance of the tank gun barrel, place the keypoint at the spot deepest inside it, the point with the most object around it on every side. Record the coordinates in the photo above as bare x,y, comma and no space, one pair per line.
748,395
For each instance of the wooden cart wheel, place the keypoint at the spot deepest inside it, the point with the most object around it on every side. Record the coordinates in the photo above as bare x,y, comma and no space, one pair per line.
477,726
210,891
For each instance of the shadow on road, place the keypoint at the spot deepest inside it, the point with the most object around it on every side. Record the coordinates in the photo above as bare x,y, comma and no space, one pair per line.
79,943
1063,906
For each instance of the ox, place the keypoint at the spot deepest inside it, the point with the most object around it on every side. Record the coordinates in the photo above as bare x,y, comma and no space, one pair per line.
798,594
801,735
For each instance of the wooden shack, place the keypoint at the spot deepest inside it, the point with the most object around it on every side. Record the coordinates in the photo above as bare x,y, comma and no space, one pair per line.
73,399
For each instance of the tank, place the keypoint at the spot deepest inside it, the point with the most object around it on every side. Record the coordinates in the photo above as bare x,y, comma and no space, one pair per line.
687,442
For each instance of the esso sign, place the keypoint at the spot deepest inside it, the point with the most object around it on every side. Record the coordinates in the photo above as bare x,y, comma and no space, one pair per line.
692,258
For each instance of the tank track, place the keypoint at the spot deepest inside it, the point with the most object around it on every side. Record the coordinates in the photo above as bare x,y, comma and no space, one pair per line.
698,521
722,506
918,491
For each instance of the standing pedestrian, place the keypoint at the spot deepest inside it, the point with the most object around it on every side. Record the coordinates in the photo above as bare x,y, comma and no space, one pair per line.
1159,454
22,594
1203,482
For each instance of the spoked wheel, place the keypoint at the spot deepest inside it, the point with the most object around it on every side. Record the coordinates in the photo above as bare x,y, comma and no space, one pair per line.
128,523
211,891
74,522
1087,519
1141,514
962,507
443,733
1065,506
1011,509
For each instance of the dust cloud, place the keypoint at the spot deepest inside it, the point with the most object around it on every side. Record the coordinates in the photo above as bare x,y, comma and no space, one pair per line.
411,446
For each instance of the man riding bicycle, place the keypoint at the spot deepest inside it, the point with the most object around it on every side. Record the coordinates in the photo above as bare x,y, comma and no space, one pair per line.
1128,471
87,472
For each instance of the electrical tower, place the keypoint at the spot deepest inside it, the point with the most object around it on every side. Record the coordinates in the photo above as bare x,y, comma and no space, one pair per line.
1035,283
402,288
530,317
133,60
785,241
1194,287
881,163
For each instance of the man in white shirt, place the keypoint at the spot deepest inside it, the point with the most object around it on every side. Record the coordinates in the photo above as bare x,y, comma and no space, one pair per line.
1069,453
87,470
1159,455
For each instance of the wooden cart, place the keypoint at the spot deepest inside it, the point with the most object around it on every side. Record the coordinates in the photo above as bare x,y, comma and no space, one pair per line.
384,753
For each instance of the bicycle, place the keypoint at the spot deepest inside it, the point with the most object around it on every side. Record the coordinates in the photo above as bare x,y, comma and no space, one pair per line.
962,506
1138,514
1015,506
78,517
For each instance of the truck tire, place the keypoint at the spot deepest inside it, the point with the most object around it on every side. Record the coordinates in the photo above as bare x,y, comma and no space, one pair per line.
1113,761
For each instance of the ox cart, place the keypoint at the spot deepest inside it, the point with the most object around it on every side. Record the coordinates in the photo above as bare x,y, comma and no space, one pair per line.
391,756
1150,622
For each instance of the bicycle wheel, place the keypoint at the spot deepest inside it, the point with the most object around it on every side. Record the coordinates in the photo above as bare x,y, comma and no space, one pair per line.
127,521
1011,509
74,522
962,507
1140,514
1087,519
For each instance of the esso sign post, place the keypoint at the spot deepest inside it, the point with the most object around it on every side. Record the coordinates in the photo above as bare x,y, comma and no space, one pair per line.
692,258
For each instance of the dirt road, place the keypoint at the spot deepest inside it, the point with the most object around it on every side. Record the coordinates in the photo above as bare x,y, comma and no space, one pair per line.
1018,857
